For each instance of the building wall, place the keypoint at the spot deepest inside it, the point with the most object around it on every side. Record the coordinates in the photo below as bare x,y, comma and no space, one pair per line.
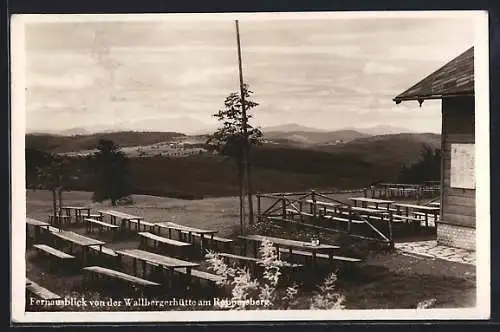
458,206
457,236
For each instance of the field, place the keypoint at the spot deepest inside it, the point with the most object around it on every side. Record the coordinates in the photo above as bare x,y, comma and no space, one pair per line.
175,165
383,280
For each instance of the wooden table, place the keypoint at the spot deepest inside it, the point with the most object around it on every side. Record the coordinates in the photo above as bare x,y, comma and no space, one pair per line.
321,204
289,244
80,240
189,230
78,212
100,224
166,262
159,239
374,213
400,188
99,270
39,291
434,210
37,226
124,217
364,201
59,220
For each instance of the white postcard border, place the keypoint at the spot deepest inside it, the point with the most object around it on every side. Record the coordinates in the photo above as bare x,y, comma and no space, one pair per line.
18,267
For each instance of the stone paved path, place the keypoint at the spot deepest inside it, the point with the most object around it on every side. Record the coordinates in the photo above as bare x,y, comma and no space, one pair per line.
434,250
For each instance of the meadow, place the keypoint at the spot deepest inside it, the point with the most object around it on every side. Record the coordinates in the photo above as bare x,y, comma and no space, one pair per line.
383,280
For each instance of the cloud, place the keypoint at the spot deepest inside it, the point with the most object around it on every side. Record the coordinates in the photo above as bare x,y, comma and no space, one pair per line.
379,68
66,81
328,73
198,76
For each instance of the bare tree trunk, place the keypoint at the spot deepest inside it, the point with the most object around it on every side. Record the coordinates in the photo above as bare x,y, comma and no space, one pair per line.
241,182
249,187
54,203
60,200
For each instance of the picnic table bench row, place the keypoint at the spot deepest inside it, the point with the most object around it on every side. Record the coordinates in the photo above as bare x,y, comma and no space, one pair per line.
100,224
160,260
165,262
40,292
289,244
320,255
198,274
53,252
159,239
255,260
104,250
98,270
334,211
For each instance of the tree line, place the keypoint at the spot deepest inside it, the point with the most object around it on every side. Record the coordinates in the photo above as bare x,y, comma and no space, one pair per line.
108,169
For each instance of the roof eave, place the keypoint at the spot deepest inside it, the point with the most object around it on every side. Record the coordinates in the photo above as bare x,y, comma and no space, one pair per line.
420,99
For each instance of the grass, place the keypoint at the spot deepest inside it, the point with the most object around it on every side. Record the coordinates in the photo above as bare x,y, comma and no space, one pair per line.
383,280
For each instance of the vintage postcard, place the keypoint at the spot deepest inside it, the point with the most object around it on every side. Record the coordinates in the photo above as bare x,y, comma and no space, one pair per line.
250,167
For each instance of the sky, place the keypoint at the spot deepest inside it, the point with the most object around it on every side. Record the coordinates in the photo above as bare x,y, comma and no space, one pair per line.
174,74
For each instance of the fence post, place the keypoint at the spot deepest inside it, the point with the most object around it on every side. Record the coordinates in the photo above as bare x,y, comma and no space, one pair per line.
301,216
259,216
283,207
349,220
390,231
313,197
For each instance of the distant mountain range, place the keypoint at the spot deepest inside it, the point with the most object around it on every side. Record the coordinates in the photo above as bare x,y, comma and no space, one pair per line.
308,138
185,125
301,135
290,127
190,126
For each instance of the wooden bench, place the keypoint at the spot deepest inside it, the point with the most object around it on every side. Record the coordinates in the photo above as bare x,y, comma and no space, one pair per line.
53,252
354,221
207,238
100,224
152,226
40,292
324,256
143,224
98,270
294,212
330,211
160,239
422,214
105,251
322,203
240,258
255,260
215,238
60,220
54,229
369,210
407,218
213,278
382,209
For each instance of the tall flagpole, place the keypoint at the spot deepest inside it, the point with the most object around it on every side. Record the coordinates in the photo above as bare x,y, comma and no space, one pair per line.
244,120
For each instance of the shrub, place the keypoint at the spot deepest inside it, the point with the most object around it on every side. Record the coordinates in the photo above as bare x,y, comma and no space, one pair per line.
426,304
125,201
328,297
243,288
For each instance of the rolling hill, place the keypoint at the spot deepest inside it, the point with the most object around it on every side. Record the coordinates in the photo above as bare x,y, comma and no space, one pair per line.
309,138
275,167
383,149
59,143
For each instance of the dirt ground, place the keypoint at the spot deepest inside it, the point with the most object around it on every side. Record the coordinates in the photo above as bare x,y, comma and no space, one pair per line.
383,280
